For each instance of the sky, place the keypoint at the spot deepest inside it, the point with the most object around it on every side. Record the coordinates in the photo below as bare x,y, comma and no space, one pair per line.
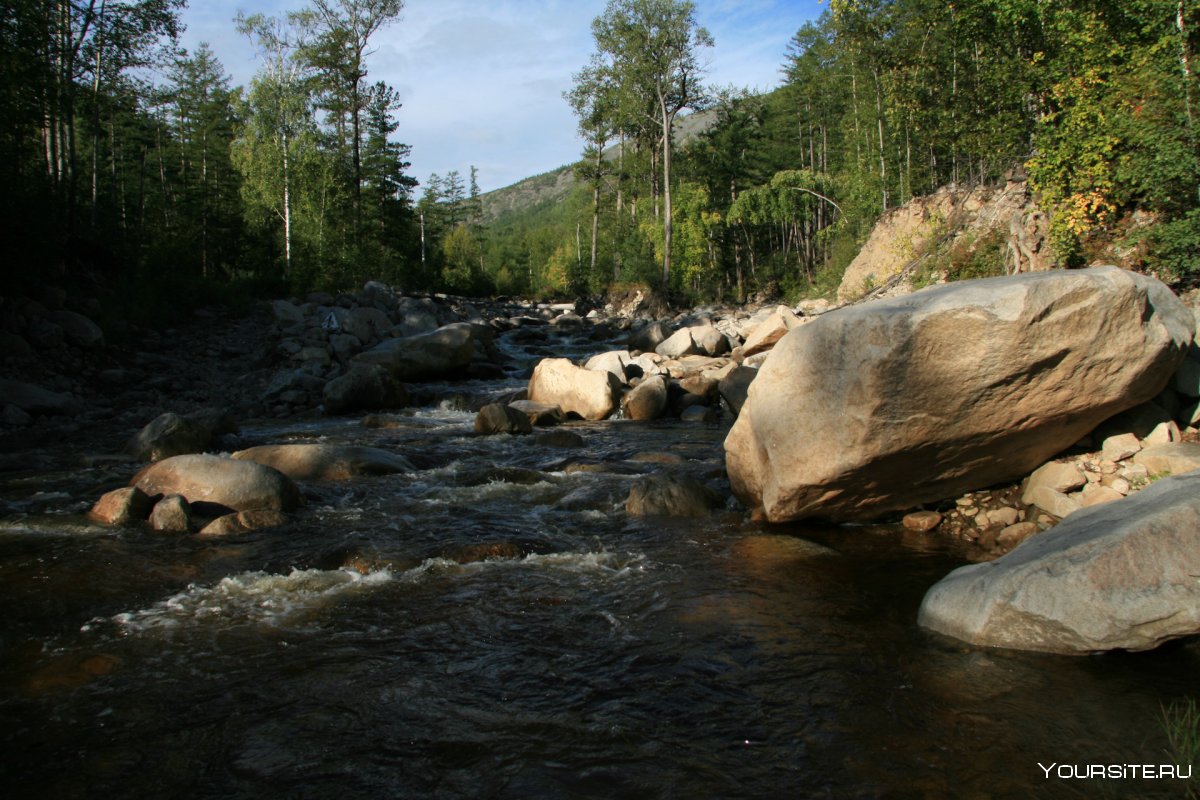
481,81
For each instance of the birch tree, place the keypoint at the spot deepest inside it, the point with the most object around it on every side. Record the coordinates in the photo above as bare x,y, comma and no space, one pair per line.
652,48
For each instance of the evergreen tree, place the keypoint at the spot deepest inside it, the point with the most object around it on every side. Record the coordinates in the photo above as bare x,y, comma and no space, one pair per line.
204,130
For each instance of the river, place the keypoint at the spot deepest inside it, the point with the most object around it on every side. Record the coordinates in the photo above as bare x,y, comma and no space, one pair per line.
350,654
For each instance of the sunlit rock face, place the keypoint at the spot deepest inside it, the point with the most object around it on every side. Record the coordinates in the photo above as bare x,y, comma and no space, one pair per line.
219,482
883,406
591,394
1117,576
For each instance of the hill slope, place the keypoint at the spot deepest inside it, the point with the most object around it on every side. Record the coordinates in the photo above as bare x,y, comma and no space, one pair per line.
555,185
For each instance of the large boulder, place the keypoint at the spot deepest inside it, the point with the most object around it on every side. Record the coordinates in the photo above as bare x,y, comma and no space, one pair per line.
363,387
1117,576
887,405
35,400
1171,458
171,514
325,462
213,481
590,394
613,361
680,343
440,353
79,330
767,333
172,434
650,336
647,400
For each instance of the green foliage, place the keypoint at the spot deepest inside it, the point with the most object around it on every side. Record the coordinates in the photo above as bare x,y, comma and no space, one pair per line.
462,272
963,258
1175,246
1181,723
299,177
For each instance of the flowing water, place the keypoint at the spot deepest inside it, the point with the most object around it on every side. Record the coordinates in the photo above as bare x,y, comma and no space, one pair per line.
351,654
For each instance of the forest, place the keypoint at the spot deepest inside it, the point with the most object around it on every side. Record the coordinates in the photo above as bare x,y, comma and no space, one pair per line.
132,162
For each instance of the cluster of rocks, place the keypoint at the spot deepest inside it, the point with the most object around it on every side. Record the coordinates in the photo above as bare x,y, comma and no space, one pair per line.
356,351
54,338
218,495
688,370
927,398
997,520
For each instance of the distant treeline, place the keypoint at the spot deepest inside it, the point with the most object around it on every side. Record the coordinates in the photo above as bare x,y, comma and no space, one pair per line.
297,180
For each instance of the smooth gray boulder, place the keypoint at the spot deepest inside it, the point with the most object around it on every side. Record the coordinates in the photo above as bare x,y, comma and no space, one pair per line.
1116,576
363,387
172,434
217,481
79,330
325,462
440,353
887,405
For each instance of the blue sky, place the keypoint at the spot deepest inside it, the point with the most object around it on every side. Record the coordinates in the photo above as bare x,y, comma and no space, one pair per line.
482,80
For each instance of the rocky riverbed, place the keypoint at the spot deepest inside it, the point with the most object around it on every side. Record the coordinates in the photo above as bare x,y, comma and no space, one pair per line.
497,544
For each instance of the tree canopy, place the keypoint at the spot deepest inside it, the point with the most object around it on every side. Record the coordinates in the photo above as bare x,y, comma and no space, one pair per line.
126,156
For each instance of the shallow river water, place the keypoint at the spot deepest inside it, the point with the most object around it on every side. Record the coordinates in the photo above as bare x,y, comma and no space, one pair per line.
350,655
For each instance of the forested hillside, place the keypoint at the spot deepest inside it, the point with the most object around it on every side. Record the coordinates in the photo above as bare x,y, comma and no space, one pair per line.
127,158
883,101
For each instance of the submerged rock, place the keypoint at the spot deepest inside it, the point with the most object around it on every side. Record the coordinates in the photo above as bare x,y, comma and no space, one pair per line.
561,439
890,404
671,496
243,522
35,400
1117,576
538,413
500,418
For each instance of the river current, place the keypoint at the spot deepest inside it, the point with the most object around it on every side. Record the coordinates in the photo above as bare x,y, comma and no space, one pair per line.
594,655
